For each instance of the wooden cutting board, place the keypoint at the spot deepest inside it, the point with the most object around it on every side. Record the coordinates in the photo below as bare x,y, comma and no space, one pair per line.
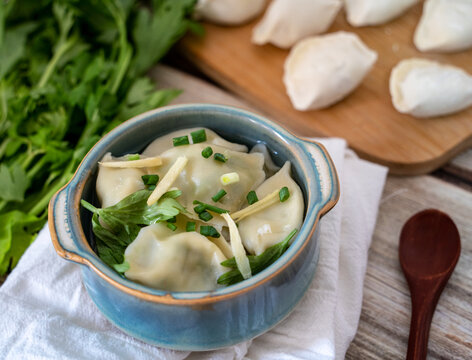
366,118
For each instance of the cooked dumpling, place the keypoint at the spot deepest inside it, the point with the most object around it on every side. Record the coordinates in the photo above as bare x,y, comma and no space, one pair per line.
288,21
229,12
425,88
322,70
164,260
163,143
200,179
445,26
375,12
271,225
114,184
269,166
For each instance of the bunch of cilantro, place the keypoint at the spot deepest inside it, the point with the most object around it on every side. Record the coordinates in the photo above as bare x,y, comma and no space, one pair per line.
70,70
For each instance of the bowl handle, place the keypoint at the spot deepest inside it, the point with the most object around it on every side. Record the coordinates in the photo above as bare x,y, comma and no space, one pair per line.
60,228
328,175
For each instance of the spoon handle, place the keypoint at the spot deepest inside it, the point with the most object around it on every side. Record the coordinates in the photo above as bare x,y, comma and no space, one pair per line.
424,300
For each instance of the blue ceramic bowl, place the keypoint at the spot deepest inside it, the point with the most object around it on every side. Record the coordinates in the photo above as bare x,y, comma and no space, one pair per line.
198,320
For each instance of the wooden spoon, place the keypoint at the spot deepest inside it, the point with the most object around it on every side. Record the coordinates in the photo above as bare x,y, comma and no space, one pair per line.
429,250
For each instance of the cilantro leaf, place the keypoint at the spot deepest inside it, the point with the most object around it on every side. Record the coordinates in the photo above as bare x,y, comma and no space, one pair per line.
17,231
14,182
115,227
257,263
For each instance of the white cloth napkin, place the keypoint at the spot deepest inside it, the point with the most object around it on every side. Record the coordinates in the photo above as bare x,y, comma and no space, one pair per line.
46,312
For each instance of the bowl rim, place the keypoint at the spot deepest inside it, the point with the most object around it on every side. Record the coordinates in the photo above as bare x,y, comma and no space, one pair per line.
74,189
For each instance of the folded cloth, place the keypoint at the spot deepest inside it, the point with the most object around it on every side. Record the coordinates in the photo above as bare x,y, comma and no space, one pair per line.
46,312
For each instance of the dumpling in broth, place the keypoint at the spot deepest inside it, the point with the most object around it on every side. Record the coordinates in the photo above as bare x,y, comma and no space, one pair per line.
174,262
114,184
163,143
200,179
270,226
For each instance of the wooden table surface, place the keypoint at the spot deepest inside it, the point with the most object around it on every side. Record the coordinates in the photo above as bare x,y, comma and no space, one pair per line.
384,323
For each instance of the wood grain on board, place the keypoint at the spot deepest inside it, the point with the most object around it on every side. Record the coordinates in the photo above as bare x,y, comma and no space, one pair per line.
366,118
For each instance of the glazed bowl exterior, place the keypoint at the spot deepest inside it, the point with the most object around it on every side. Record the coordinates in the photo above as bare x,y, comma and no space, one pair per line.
198,320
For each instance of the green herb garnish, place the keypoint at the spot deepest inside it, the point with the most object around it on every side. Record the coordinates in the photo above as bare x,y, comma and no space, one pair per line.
218,195
151,187
199,208
191,226
220,157
171,226
257,263
206,230
121,268
204,206
123,221
205,216
150,179
207,152
252,197
133,157
198,136
284,194
181,140
70,71
172,219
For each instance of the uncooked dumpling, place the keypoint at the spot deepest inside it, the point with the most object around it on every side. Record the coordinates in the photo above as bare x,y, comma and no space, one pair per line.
287,21
270,226
164,260
445,26
425,88
229,12
375,12
322,70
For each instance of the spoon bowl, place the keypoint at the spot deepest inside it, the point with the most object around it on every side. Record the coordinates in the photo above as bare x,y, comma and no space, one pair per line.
429,250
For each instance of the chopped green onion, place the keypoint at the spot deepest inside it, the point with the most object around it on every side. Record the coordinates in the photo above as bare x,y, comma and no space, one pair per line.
209,231
199,208
205,216
150,179
207,152
229,178
171,226
252,197
151,187
220,157
198,136
172,220
133,157
284,194
213,208
218,195
181,140
191,226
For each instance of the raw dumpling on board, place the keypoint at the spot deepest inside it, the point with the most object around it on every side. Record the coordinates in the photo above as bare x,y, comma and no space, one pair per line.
425,88
174,262
322,70
287,21
375,12
445,26
229,12
270,226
